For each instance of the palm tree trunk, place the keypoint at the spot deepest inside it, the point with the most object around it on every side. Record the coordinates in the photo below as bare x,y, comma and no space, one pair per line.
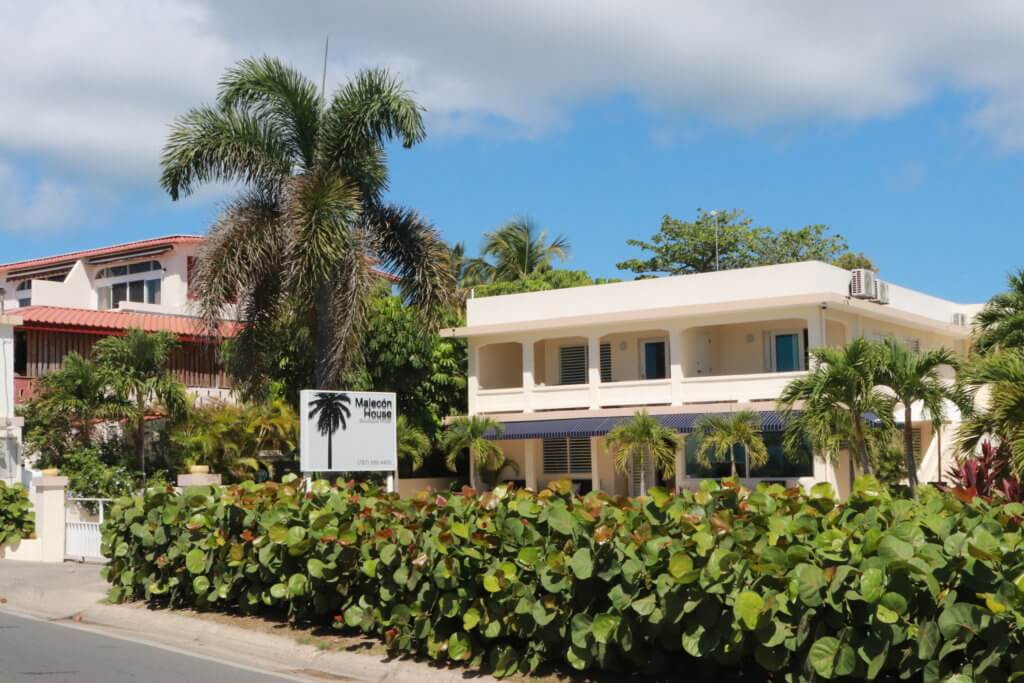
908,449
862,444
323,338
140,434
330,451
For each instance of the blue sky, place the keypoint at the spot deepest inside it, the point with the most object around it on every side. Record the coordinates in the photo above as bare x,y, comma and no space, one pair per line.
593,120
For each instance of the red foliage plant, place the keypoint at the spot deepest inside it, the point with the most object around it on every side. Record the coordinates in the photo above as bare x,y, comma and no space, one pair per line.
987,474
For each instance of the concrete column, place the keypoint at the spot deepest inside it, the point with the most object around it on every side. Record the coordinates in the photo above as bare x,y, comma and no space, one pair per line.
49,509
680,457
471,380
675,365
815,331
531,452
594,370
596,442
186,480
528,375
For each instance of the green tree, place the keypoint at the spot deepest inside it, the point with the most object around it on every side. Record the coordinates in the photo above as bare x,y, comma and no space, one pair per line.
541,282
1000,323
723,240
330,409
517,250
836,402
137,366
311,223
1001,374
413,444
914,377
475,434
720,435
640,441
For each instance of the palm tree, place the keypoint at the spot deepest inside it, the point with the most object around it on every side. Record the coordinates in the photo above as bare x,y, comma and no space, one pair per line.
137,367
720,435
641,441
1000,323
80,392
476,434
413,443
216,435
835,402
310,224
518,249
331,412
914,377
1002,374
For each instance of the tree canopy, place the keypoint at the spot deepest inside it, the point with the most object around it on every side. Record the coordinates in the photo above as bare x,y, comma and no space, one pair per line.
681,247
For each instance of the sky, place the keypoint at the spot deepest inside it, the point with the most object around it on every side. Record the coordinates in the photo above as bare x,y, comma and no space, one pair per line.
899,125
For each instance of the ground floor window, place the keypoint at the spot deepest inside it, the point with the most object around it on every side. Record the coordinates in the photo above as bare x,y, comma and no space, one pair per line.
569,457
778,466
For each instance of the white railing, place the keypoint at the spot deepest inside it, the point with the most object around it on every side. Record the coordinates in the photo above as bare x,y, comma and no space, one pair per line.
561,396
761,386
82,538
500,400
635,392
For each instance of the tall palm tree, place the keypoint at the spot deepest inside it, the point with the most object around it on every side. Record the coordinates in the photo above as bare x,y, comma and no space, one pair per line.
641,441
311,223
1000,323
80,392
1002,374
330,409
137,367
517,250
914,377
472,434
719,436
413,444
837,401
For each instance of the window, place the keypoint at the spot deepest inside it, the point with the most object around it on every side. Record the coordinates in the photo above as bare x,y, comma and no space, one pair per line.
915,437
572,365
786,351
567,456
653,361
130,269
22,303
119,293
153,291
24,286
778,466
137,291
606,362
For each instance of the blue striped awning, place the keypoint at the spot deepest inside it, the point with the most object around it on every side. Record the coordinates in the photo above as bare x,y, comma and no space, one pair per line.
579,427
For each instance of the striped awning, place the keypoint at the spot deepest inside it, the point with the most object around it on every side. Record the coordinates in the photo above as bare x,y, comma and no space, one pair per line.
579,427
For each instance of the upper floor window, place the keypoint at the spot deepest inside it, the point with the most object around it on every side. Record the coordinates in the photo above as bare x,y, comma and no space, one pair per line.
137,291
25,293
128,269
24,286
572,364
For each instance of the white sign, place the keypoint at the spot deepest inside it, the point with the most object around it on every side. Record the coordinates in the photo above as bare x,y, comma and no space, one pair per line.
348,431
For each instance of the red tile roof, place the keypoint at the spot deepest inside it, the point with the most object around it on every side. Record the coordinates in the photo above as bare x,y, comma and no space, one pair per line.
73,256
114,321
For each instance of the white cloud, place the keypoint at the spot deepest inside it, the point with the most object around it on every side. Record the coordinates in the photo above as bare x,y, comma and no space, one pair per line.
93,85
28,207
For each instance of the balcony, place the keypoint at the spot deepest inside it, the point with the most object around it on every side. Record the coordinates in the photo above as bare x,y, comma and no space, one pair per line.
738,388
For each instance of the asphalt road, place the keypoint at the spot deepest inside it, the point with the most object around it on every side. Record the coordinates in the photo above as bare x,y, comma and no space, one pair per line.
43,652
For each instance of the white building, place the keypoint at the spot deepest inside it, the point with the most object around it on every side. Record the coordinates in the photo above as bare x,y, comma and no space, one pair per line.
561,368
65,303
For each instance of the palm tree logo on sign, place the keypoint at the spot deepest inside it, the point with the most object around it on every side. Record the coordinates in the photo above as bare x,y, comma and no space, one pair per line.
331,412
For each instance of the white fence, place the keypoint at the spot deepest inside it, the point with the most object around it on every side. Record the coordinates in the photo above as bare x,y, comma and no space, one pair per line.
82,520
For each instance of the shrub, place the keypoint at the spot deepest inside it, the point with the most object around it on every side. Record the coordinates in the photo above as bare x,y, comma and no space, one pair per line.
771,584
987,474
91,475
17,521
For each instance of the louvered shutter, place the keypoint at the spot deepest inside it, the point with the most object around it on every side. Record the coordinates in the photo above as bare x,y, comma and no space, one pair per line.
606,362
915,436
579,456
556,456
572,365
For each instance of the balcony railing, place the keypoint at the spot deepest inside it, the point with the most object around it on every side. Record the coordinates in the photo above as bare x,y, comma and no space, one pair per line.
707,389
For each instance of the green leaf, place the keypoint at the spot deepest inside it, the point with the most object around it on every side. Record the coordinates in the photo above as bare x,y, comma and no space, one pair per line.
831,659
886,615
195,561
460,647
680,564
297,584
491,583
278,591
604,626
582,564
960,621
748,609
810,581
315,568
471,618
645,605
580,629
928,639
892,549
200,585
354,616
872,584
561,520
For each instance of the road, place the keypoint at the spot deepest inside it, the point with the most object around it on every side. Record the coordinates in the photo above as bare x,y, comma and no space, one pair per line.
43,652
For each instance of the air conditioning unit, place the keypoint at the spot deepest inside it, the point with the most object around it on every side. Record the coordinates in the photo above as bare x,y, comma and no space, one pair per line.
960,319
881,292
862,283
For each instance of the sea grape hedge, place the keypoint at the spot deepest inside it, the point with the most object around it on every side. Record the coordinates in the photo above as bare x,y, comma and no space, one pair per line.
17,521
771,584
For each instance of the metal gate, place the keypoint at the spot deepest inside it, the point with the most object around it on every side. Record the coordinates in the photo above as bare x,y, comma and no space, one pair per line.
82,520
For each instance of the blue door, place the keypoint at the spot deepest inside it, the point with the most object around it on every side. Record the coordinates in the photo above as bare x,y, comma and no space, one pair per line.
787,353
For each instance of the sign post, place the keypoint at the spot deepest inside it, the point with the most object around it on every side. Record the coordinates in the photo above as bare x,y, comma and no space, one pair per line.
349,431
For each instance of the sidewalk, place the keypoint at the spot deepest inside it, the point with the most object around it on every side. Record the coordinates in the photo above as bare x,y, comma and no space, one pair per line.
71,593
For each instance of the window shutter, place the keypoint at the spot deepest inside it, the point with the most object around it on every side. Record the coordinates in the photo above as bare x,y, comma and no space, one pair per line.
606,362
579,456
556,456
190,268
915,436
912,343
572,365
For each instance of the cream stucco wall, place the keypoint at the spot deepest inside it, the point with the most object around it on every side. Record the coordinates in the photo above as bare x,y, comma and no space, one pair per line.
501,365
